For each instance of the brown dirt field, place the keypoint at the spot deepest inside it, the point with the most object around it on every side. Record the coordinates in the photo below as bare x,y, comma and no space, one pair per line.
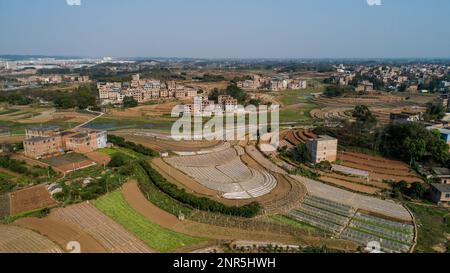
11,139
29,161
61,233
14,239
71,167
99,158
167,145
379,168
358,180
52,115
138,202
221,233
30,199
350,186
146,110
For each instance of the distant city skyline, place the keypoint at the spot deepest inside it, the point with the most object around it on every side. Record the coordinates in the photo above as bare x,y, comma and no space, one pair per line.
227,29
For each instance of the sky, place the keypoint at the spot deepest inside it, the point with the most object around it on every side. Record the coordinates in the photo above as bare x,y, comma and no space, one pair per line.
227,28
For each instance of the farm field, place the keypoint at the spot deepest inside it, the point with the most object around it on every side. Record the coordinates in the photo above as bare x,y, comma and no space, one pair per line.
61,233
160,145
345,222
157,237
69,162
386,208
224,172
434,228
30,199
113,237
379,168
19,240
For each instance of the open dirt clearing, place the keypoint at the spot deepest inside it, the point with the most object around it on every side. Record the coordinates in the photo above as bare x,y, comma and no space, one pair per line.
30,199
138,202
61,233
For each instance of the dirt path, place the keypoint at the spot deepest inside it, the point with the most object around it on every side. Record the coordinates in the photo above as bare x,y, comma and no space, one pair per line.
138,202
61,233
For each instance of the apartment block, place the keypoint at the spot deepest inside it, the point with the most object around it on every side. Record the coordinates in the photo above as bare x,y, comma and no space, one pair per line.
322,148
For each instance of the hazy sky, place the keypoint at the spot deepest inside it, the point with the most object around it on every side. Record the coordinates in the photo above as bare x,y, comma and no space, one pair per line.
226,28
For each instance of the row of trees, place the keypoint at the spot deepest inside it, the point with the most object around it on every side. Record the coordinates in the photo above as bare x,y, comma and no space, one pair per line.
138,148
195,202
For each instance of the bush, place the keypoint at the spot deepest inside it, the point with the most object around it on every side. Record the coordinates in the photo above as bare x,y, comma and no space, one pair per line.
118,160
138,148
195,202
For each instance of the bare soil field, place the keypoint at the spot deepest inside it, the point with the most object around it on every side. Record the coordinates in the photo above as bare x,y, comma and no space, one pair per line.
345,113
156,110
11,139
19,240
113,237
169,145
99,158
30,199
379,168
70,162
358,201
348,185
372,99
138,202
61,233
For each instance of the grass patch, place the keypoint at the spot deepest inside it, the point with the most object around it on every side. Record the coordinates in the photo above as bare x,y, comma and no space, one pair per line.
434,228
161,239
115,150
8,111
293,223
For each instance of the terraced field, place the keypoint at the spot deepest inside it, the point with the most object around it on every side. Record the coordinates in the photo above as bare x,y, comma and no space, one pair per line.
223,171
109,234
379,168
159,238
18,240
345,222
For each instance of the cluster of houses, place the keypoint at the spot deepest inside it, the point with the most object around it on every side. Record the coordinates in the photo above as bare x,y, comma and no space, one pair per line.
52,79
47,141
275,83
412,77
202,106
142,90
440,190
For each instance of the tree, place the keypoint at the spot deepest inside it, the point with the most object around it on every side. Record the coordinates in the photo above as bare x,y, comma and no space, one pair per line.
364,115
417,191
300,154
129,102
434,112
411,141
214,95
416,148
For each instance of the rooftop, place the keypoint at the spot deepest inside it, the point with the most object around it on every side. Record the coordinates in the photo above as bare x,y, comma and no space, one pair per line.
441,187
38,139
441,171
44,128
